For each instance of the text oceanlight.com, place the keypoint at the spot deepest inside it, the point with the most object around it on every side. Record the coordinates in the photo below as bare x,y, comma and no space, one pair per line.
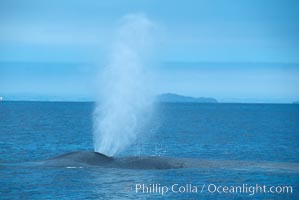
211,188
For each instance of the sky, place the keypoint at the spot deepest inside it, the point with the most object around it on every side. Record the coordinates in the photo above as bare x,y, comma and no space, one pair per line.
235,51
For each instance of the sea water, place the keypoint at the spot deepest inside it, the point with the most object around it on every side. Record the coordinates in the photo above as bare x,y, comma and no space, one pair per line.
32,131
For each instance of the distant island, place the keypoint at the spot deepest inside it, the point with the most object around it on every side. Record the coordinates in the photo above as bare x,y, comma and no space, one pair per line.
175,98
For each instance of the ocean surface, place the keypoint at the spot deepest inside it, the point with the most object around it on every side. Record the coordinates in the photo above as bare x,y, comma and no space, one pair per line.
34,131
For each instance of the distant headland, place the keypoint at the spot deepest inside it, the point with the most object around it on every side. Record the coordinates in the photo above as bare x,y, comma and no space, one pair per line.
175,98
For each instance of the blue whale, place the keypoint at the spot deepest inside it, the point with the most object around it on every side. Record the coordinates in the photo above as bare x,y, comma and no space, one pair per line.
94,159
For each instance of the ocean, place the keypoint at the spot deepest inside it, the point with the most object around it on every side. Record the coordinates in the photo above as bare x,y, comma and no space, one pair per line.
267,133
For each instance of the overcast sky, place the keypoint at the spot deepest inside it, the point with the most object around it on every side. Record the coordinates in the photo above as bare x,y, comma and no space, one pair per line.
254,43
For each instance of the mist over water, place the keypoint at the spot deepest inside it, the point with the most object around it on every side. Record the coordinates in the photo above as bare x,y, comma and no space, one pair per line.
125,101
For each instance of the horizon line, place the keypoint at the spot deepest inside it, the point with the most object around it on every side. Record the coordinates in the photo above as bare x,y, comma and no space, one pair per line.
167,102
161,61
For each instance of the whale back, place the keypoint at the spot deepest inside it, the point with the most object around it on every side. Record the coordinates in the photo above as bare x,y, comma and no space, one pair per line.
83,158
93,159
79,158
